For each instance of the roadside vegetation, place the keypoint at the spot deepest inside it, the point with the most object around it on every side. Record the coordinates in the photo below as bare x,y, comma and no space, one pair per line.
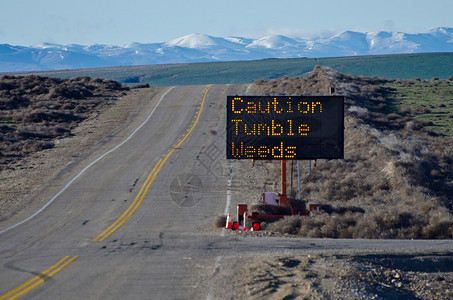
396,180
36,111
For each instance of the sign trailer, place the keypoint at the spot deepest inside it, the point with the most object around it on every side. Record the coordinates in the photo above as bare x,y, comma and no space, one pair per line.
285,127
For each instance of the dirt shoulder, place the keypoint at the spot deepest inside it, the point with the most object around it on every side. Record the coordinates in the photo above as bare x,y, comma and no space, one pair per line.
345,275
44,172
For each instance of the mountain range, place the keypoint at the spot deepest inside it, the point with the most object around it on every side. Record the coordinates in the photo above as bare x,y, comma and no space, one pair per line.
205,48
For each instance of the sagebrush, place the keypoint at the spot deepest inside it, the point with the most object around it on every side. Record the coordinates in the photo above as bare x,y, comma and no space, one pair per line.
35,111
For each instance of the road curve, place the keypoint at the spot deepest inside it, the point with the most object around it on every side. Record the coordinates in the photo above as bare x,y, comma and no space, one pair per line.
138,224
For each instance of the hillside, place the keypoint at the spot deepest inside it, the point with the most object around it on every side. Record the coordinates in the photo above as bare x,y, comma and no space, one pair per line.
404,66
36,111
396,180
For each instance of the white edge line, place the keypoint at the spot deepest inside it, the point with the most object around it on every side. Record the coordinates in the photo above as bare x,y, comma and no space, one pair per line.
227,207
228,194
87,167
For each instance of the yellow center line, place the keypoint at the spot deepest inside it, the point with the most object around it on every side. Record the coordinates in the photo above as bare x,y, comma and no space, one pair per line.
39,279
147,184
137,201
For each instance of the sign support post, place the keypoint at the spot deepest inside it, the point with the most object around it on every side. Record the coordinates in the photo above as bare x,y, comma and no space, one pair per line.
298,179
284,201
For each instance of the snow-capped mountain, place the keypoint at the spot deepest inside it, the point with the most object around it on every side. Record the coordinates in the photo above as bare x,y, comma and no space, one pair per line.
275,42
205,48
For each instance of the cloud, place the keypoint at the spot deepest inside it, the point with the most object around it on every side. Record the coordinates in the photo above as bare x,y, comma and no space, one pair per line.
302,32
389,25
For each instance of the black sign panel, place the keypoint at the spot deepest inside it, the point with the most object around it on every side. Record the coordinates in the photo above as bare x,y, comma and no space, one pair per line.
285,127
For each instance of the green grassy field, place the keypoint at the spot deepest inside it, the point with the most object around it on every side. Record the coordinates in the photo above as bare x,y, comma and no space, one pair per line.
403,66
427,100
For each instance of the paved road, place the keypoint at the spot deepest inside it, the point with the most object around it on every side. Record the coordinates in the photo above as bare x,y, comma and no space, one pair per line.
138,224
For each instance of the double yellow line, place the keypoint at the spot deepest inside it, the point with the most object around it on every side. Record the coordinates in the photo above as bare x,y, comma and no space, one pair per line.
39,279
64,262
133,207
149,181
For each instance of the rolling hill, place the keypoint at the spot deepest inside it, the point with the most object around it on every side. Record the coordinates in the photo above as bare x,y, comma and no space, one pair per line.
402,66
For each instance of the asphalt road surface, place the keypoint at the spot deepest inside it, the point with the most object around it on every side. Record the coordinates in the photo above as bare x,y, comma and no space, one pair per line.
138,223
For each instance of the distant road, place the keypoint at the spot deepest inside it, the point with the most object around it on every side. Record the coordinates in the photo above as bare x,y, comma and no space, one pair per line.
138,224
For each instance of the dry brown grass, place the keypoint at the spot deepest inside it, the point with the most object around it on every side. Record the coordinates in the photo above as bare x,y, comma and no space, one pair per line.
396,180
34,111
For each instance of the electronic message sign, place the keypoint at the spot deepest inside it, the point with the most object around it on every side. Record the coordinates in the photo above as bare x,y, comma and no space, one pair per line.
285,127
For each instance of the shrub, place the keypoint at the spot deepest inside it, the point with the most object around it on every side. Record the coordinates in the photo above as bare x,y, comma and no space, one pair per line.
290,225
39,146
438,229
38,116
140,86
422,110
220,221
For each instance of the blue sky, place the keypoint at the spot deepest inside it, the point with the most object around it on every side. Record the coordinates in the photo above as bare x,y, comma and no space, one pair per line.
32,22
